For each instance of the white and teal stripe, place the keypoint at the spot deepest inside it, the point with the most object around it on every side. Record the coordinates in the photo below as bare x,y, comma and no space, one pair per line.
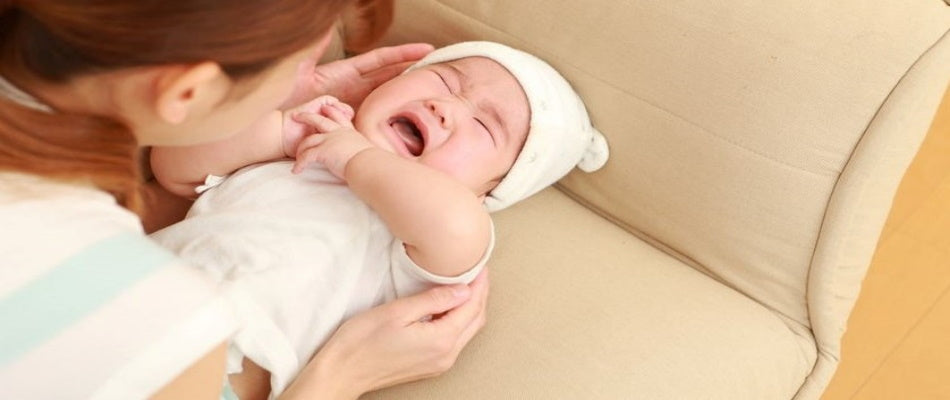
90,307
74,289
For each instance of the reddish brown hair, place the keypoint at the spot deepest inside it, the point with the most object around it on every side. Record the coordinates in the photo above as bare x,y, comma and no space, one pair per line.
365,23
56,40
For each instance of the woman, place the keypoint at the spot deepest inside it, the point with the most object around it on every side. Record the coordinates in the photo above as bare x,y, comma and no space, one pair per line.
90,307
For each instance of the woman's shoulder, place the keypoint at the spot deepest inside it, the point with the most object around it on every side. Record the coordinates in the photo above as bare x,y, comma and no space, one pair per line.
46,220
81,285
77,236
31,196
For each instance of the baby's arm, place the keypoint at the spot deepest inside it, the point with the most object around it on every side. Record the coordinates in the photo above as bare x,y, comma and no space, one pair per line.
181,169
443,224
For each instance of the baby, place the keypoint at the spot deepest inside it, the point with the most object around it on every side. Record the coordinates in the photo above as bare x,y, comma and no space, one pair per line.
384,206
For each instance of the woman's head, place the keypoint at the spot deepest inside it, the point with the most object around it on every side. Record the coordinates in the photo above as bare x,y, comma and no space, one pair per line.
144,72
189,51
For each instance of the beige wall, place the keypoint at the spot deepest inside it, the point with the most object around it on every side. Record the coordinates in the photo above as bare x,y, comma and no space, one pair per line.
898,341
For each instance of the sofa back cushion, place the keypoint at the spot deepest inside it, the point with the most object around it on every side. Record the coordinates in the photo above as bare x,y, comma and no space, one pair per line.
729,122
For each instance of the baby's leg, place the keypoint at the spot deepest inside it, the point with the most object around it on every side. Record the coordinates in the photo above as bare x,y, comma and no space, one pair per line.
253,383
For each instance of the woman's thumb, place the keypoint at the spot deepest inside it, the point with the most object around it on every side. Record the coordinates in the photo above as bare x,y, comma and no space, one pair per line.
434,301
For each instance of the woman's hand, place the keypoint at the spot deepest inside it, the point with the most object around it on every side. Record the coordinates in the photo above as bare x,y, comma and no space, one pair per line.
351,79
395,343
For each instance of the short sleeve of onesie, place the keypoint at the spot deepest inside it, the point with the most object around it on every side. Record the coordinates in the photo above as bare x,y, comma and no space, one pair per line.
409,278
91,308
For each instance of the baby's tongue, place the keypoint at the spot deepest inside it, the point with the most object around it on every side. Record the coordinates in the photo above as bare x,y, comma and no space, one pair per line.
413,142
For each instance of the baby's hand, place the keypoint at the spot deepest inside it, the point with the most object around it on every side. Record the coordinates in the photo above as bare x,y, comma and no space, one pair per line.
294,131
335,142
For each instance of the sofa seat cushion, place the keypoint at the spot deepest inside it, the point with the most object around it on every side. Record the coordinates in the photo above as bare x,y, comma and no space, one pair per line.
577,300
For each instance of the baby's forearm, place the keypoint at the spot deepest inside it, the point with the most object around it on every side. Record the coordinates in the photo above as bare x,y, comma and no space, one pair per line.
181,169
443,223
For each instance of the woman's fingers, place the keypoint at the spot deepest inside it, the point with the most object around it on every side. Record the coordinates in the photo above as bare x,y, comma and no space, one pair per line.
467,319
450,333
381,65
388,344
479,300
387,56
437,300
352,79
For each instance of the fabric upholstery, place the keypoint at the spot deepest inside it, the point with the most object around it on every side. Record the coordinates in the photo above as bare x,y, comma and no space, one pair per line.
859,209
758,142
737,116
571,317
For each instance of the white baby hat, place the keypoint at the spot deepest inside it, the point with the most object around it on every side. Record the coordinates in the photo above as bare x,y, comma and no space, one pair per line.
560,135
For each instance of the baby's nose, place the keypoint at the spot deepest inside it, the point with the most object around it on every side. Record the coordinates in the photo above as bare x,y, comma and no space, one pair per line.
439,111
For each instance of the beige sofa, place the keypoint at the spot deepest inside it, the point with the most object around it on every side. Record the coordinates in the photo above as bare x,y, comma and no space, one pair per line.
756,149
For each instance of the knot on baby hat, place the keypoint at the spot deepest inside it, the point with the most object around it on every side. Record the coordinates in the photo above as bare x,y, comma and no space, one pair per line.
560,135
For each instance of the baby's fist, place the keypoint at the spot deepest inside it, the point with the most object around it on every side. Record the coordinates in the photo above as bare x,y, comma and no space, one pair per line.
294,131
333,148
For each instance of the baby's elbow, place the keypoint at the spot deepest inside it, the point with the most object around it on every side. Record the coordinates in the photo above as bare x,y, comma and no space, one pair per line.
178,188
470,237
181,189
459,245
168,175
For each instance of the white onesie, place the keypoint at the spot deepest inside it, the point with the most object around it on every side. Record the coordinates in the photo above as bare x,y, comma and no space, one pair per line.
302,253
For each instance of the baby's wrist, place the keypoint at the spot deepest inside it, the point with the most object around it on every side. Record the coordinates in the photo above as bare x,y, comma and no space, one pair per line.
359,156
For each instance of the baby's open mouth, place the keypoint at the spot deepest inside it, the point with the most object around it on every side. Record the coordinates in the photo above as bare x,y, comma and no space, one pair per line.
409,133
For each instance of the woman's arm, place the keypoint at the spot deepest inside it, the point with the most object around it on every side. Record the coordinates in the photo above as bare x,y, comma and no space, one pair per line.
389,344
443,223
381,347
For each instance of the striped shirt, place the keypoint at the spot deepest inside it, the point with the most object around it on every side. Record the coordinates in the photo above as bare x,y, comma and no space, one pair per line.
89,306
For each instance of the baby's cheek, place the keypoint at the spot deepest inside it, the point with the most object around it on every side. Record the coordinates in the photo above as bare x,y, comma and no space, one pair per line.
451,166
359,123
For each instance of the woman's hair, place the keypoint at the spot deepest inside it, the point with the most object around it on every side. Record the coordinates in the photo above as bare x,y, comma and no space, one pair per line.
56,40
365,23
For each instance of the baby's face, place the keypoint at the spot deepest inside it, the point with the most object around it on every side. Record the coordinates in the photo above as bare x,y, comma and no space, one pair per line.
467,118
